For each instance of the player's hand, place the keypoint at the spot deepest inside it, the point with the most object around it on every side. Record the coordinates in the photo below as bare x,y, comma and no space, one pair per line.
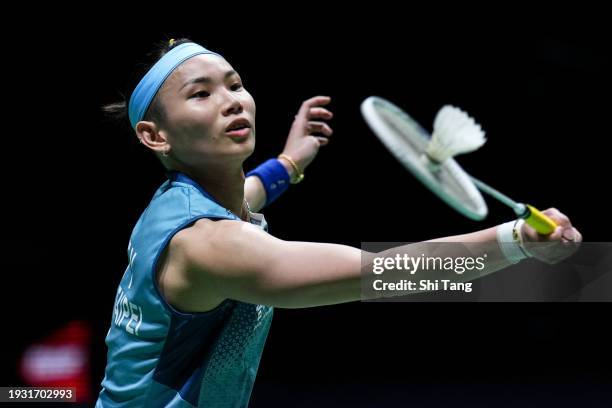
562,243
308,133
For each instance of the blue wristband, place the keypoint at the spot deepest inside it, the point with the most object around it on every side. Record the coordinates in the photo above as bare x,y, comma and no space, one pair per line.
274,178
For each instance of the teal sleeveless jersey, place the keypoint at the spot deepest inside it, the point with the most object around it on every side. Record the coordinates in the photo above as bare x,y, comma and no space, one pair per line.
161,357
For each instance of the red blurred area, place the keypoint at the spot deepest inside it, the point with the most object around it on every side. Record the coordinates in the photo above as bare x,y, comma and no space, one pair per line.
61,359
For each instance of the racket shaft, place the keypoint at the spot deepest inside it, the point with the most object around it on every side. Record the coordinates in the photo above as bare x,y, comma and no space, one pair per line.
504,199
533,217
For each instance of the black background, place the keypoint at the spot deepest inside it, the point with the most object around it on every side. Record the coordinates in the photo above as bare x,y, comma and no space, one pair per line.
75,185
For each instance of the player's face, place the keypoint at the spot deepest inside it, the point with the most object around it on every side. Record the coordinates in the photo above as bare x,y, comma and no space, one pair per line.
209,116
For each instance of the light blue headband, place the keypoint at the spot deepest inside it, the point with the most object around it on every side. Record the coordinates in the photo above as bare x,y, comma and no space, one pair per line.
149,85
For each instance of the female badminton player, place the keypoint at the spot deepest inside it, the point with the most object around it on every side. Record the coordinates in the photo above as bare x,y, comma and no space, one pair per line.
194,306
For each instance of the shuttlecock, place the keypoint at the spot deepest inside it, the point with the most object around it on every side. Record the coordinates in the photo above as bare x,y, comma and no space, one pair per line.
455,132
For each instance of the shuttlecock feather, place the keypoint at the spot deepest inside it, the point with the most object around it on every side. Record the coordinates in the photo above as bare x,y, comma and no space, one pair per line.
455,132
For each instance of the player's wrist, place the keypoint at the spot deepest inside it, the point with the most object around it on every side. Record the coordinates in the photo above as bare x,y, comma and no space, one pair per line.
274,178
296,173
287,166
510,240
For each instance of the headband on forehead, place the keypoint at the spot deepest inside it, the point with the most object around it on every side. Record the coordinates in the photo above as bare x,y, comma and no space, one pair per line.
149,85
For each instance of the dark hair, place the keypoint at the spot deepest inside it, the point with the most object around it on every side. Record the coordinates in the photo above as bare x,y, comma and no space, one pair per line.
118,111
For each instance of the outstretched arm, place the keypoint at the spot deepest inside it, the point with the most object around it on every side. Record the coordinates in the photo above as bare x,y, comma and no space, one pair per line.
212,261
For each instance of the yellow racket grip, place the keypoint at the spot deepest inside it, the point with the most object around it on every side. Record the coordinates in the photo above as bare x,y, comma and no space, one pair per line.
539,221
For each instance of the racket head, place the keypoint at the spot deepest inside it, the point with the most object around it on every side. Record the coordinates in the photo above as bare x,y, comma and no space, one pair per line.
407,141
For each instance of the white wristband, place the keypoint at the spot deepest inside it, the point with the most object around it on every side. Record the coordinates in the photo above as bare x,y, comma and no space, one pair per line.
510,241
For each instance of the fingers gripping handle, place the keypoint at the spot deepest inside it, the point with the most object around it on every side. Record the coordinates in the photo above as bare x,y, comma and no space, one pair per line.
539,221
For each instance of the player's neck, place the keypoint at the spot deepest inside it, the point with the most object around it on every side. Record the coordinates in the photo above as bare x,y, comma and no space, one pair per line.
226,185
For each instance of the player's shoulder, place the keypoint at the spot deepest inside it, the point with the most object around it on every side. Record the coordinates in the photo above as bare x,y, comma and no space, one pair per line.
206,233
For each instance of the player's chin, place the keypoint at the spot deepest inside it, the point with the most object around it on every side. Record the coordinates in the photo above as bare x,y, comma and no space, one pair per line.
243,148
